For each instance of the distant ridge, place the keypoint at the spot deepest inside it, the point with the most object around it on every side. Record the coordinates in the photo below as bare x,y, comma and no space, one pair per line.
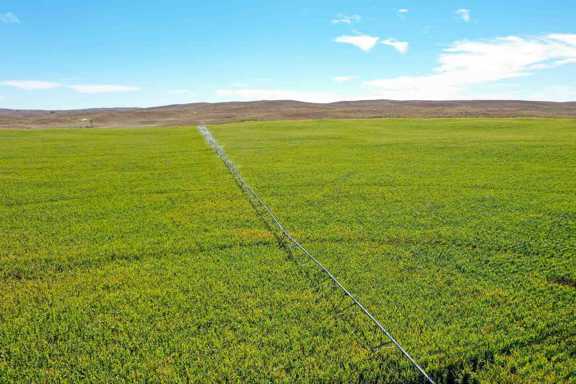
213,113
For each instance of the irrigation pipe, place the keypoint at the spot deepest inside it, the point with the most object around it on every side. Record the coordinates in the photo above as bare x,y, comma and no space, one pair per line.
205,132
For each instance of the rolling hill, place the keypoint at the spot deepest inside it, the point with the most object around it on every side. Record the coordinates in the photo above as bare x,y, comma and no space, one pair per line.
189,114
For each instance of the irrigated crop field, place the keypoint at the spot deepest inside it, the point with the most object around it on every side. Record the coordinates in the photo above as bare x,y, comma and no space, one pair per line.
132,255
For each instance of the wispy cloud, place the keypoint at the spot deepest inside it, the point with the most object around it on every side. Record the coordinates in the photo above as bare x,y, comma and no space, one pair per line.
31,85
566,38
403,11
364,42
400,46
464,14
466,64
103,88
35,85
249,94
344,19
344,79
9,18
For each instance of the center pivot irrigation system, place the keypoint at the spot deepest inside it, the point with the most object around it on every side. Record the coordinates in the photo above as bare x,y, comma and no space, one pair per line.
290,243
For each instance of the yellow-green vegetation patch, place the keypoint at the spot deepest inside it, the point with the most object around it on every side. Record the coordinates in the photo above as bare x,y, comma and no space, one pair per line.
129,255
458,233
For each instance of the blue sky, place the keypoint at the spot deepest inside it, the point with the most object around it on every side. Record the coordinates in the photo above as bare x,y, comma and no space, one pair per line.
60,54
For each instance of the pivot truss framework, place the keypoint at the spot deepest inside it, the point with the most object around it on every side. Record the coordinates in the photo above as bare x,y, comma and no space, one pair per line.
291,244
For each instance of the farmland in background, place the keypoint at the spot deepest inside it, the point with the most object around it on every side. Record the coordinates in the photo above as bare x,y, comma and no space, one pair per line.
131,255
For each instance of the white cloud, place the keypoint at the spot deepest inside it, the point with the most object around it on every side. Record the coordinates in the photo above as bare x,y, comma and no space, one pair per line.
34,85
564,37
30,85
553,93
403,11
102,88
364,42
343,79
343,19
9,18
464,14
400,46
277,94
468,64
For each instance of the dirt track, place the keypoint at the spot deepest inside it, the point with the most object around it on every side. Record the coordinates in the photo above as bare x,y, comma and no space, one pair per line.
190,114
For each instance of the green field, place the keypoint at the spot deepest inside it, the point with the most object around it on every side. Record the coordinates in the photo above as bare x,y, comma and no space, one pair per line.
131,254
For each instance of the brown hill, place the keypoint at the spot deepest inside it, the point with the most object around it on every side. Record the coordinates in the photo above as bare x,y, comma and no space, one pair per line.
211,113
